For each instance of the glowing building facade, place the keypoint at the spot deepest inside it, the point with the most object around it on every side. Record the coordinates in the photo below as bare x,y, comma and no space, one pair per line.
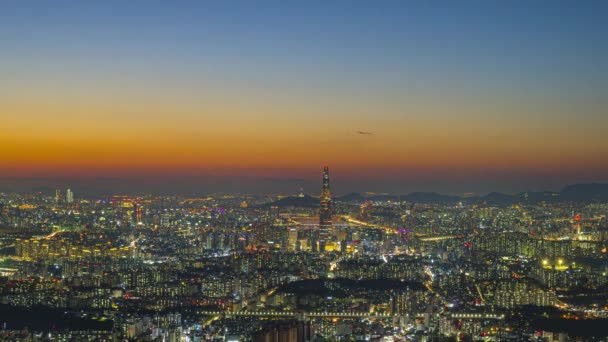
325,222
325,210
69,196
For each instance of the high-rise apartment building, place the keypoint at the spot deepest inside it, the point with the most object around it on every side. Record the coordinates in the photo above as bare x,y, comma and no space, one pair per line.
69,196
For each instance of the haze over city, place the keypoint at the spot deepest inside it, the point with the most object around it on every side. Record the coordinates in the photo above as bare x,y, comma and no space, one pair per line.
199,96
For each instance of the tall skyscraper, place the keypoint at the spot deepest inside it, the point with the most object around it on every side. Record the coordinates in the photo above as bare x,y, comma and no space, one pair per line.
325,209
292,239
138,211
57,196
325,224
69,196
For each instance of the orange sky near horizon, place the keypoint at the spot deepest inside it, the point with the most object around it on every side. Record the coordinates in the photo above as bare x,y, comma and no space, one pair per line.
91,89
92,136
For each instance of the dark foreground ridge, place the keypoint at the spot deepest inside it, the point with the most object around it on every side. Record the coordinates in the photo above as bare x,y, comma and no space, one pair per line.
45,319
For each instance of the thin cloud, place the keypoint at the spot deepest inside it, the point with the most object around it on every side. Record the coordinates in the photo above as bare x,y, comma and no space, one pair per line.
364,133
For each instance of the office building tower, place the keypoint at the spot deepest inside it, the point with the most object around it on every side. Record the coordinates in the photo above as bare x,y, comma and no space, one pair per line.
292,239
138,212
325,209
325,223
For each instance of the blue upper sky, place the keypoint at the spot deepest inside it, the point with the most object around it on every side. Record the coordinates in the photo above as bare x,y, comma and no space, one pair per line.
542,41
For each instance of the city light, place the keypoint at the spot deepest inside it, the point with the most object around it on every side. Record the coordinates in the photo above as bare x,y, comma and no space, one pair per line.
165,171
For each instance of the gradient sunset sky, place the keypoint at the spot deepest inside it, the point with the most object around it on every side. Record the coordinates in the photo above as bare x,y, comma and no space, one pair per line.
396,96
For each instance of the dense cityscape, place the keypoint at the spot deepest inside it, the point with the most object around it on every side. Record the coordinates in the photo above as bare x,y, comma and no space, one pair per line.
303,171
373,267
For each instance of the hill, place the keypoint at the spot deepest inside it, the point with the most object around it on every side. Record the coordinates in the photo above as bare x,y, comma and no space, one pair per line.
592,192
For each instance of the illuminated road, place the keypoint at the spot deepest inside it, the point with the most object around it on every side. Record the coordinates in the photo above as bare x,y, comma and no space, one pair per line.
483,300
437,238
132,244
50,236
429,272
350,219
423,237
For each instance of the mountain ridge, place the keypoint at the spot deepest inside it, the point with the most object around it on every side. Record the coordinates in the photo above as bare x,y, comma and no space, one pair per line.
584,192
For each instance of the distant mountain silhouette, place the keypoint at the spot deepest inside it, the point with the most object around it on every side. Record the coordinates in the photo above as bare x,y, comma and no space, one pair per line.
430,197
497,198
540,196
585,192
43,189
305,201
592,192
352,197
383,198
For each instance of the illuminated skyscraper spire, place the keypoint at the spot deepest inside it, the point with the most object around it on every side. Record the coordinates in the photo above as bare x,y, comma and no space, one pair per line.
138,211
325,209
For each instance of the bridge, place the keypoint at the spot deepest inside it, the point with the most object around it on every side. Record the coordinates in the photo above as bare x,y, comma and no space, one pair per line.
297,314
369,315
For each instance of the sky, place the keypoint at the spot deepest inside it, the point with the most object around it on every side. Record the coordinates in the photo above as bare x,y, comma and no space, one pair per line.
395,96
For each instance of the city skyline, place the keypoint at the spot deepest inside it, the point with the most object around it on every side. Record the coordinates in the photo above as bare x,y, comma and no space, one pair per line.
313,171
468,97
